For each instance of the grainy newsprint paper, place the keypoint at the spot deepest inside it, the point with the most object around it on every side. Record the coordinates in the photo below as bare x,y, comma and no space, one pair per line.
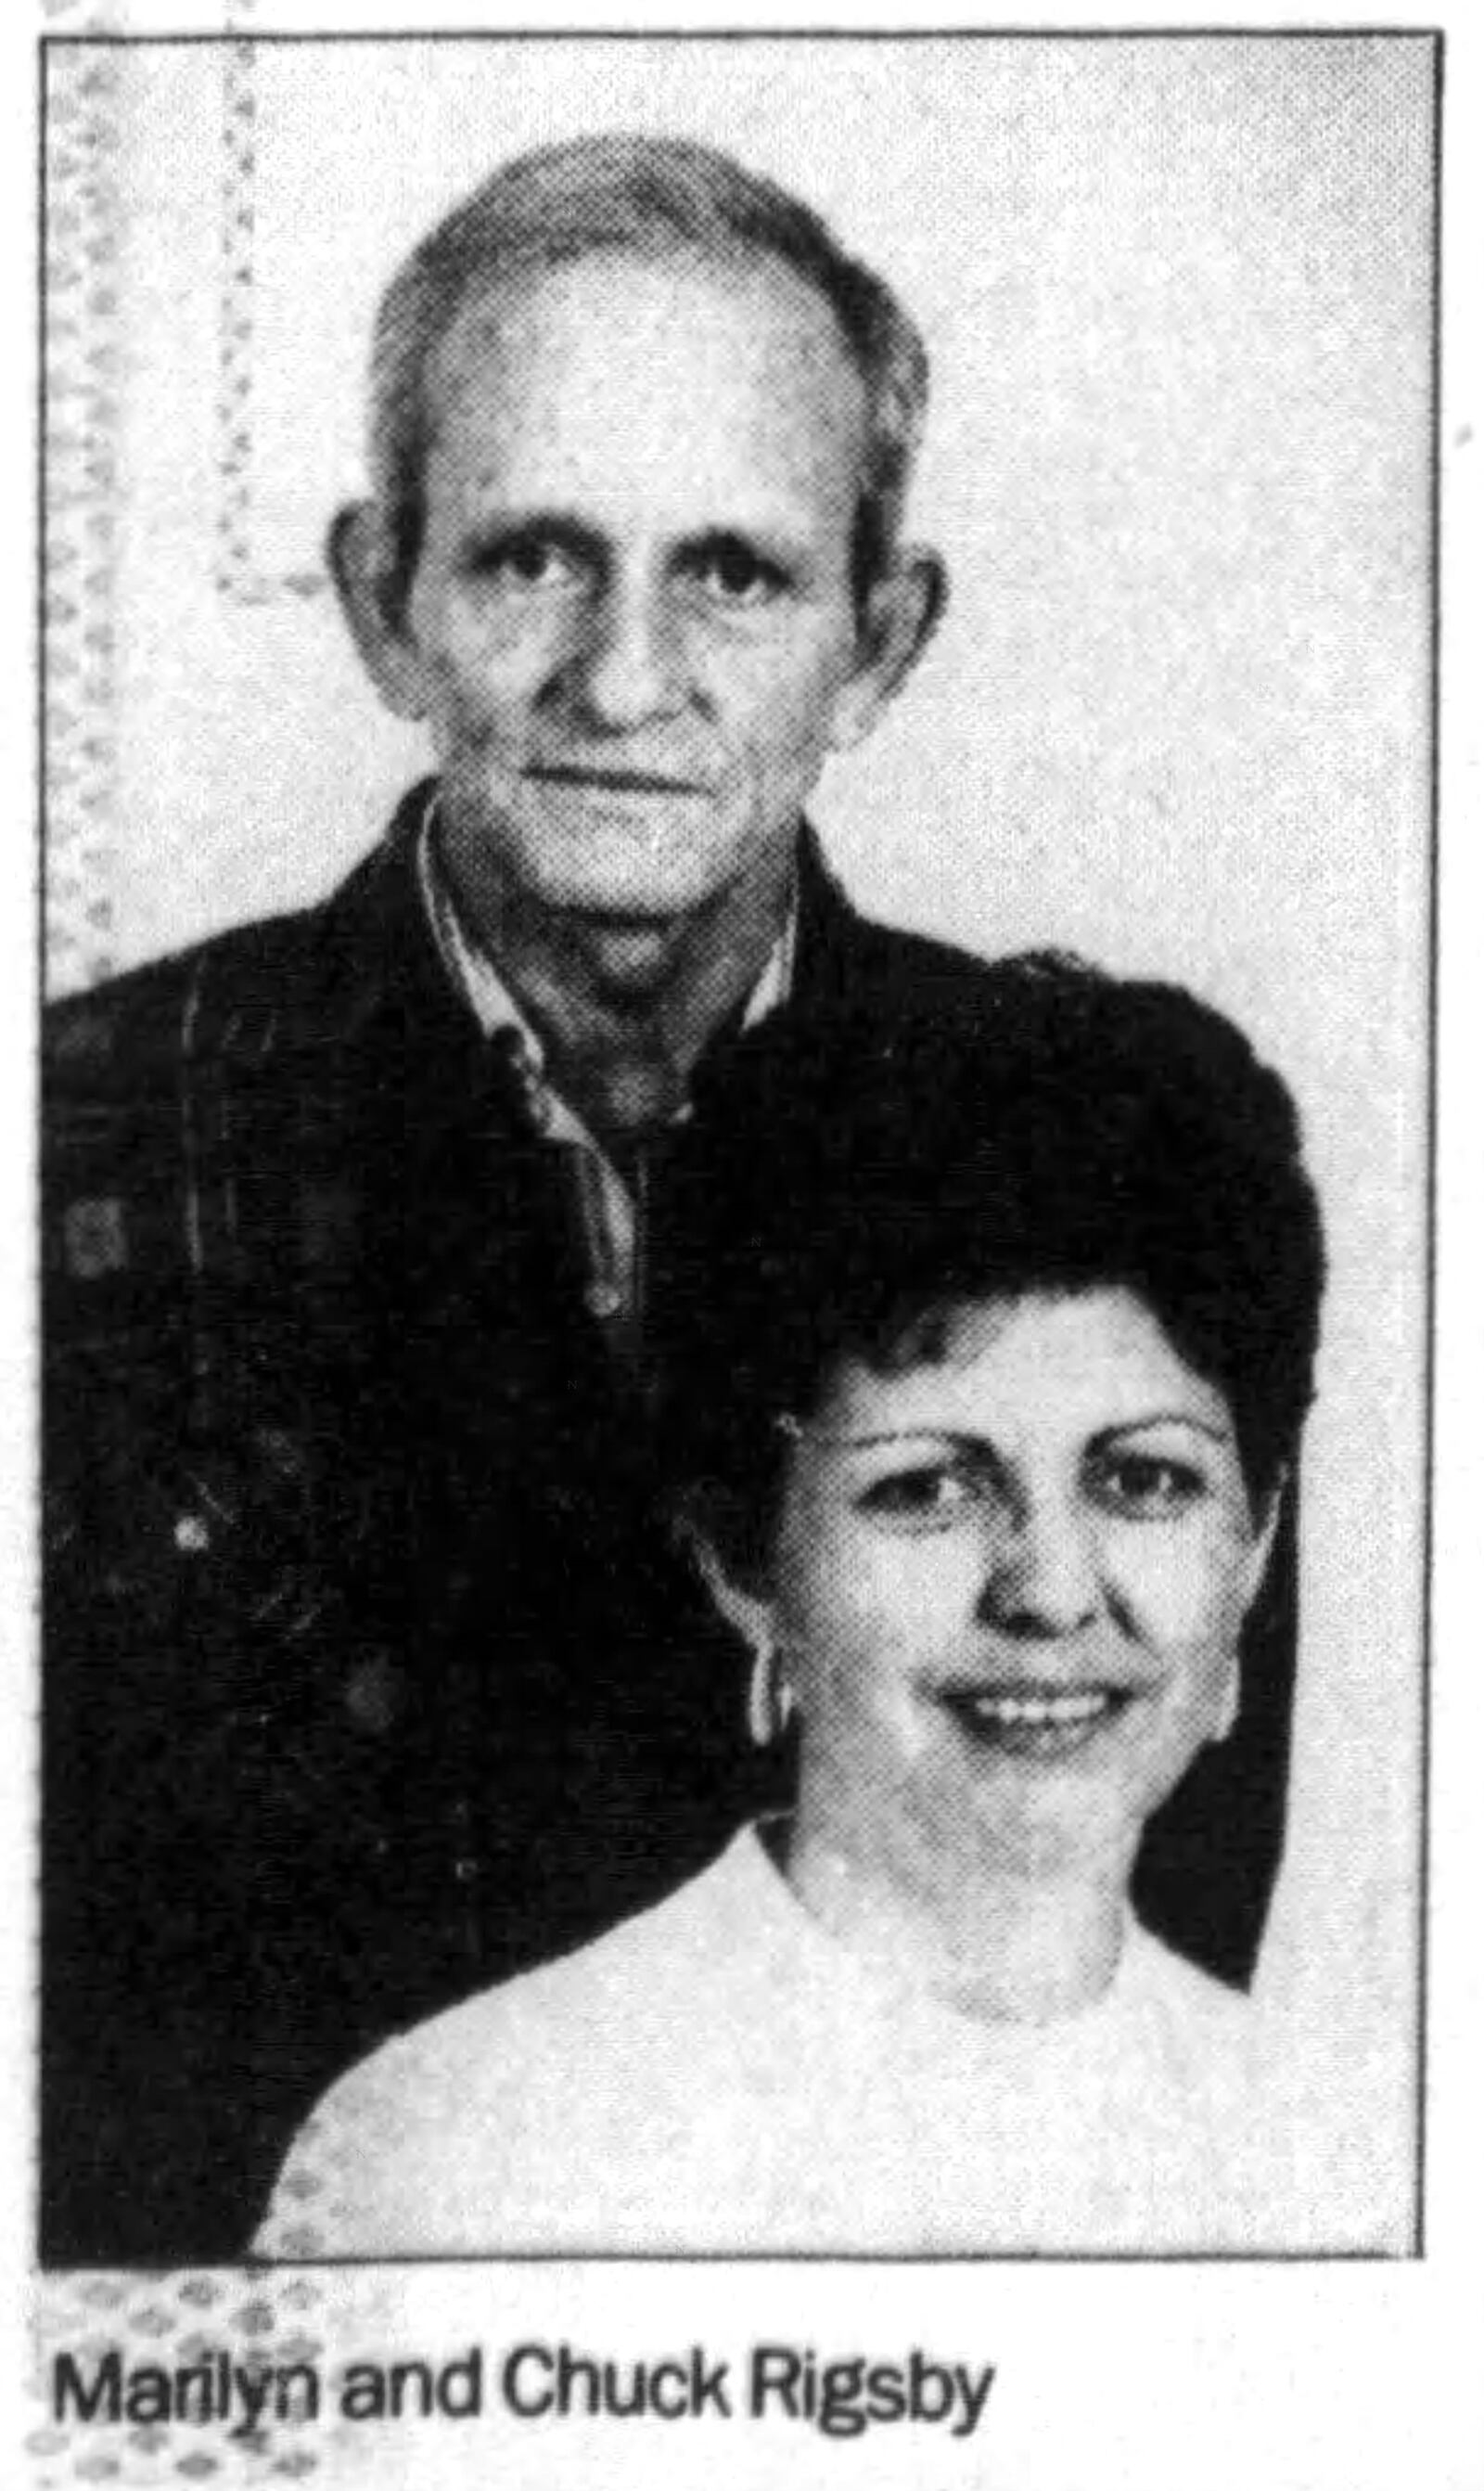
1195,469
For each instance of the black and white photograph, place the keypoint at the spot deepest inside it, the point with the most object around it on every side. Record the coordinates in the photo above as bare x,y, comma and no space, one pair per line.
737,877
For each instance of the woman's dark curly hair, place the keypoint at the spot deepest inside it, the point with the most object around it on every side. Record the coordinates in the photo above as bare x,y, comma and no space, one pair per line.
1052,1128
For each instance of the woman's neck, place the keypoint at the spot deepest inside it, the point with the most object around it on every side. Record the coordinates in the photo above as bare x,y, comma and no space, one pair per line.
989,1939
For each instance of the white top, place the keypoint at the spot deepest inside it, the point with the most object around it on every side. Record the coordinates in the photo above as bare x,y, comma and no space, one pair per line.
721,2075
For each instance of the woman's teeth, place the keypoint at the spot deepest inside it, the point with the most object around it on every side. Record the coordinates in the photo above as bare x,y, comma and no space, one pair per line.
1047,1724
1042,1708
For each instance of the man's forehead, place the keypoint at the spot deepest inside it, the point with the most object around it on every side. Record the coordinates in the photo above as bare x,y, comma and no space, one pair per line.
739,332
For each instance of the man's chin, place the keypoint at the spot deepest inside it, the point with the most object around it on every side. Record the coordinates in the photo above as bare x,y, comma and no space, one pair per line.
627,954
630,934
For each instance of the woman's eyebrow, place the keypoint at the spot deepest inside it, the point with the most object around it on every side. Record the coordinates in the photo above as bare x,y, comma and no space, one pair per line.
969,1441
1216,1429
959,1440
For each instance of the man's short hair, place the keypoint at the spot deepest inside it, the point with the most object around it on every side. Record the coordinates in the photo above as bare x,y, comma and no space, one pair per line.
649,197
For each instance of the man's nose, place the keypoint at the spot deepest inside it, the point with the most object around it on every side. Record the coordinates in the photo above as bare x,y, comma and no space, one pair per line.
627,669
1042,1574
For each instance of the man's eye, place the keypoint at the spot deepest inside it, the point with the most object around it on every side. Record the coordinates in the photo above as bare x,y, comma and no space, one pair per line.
1148,1487
528,565
928,1497
735,573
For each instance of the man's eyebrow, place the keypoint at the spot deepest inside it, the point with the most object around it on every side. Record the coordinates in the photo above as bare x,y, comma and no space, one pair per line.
775,534
764,535
492,531
787,545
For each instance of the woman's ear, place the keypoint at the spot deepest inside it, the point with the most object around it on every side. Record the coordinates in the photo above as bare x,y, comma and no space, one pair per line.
1255,1559
374,601
708,1526
713,1531
1264,1532
1230,1704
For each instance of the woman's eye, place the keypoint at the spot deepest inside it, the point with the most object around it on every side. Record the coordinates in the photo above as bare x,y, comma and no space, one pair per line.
929,1495
1150,1486
731,572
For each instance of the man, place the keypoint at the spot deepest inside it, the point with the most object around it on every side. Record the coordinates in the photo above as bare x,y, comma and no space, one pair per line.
372,1674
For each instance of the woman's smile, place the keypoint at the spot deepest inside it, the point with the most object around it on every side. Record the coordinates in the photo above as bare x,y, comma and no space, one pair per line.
1036,1723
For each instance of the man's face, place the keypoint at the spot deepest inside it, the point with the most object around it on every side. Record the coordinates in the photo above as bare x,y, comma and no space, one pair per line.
631,626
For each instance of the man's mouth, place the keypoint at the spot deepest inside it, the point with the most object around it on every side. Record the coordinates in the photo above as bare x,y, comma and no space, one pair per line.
614,783
1035,1721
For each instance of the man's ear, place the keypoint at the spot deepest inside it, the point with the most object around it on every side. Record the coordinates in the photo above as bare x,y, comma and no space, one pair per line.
902,612
706,1526
374,601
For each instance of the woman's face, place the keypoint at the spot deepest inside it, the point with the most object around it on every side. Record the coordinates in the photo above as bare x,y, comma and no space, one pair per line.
1008,1585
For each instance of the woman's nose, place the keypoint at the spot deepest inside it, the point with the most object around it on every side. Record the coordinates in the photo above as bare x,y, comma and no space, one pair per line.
1041,1575
626,671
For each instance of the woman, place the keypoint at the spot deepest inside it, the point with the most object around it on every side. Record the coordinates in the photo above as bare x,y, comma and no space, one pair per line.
989,1359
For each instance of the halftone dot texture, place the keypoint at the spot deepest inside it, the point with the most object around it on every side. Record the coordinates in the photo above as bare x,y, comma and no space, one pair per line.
258,2319
84,332
315,2200
174,2322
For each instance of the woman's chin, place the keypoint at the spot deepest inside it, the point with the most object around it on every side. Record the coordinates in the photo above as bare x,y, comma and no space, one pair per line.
1060,1843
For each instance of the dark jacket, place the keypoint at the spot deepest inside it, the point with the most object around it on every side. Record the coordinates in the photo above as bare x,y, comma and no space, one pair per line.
371,1675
